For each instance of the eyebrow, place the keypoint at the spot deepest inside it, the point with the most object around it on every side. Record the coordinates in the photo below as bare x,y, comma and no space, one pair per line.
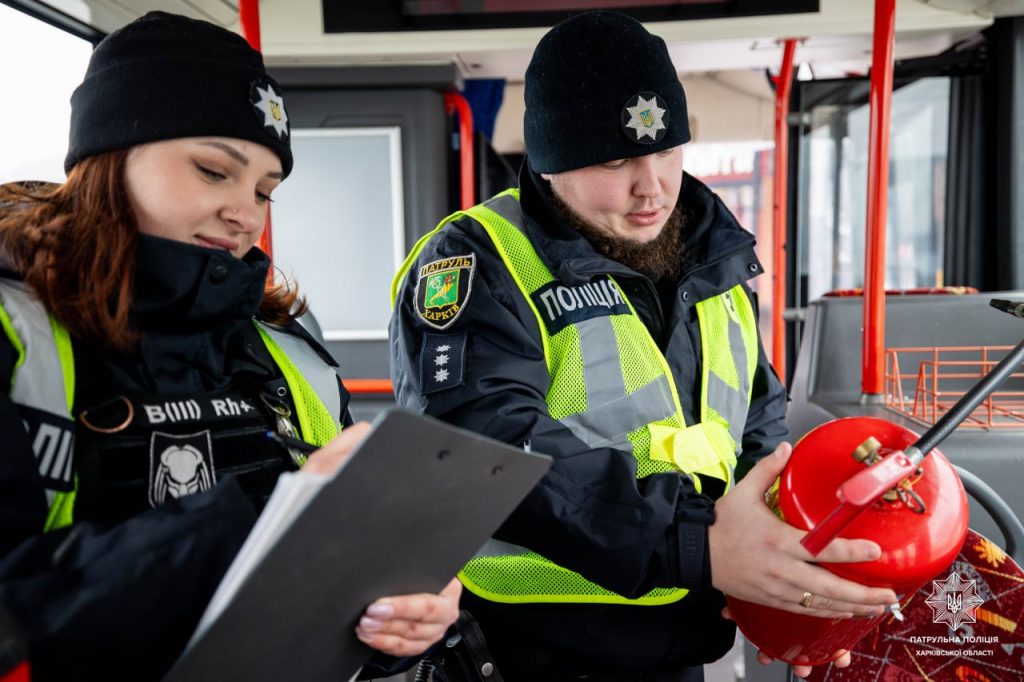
238,156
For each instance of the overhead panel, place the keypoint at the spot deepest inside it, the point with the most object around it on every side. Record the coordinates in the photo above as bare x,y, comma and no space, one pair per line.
342,16
109,15
987,8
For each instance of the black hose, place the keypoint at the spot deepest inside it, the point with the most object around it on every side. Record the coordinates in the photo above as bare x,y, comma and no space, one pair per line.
963,407
1005,519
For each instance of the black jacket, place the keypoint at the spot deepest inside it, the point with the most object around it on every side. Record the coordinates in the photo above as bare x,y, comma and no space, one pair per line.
118,595
590,514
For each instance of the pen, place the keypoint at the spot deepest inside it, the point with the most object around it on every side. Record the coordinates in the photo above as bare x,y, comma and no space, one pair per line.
292,443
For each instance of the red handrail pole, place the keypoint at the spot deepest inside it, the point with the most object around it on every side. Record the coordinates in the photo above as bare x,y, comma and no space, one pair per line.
368,385
454,102
249,19
779,187
877,199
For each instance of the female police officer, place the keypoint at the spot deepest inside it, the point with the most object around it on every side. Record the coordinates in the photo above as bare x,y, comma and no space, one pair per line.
145,356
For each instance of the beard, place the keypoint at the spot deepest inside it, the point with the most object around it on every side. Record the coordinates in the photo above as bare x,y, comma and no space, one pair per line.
659,258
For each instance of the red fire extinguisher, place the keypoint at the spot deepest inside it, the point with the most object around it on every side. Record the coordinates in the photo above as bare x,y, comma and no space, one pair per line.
20,673
14,665
863,477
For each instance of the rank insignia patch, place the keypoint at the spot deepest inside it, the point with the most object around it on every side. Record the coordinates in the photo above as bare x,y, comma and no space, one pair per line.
442,362
645,118
443,289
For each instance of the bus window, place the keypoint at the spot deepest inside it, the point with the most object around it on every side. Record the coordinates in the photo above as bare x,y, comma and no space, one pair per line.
36,95
740,173
338,226
834,181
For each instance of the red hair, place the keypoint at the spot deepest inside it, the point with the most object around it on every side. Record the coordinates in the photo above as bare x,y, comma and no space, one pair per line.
74,244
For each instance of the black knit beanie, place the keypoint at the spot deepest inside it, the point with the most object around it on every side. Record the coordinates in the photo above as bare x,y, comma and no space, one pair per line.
165,76
599,88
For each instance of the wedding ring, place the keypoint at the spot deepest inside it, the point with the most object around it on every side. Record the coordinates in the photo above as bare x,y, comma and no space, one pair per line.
807,599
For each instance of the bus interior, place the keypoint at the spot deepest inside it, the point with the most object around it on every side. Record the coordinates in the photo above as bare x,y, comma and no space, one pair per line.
405,111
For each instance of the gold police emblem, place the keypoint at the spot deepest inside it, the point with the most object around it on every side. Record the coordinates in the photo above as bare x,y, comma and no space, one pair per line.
268,105
645,118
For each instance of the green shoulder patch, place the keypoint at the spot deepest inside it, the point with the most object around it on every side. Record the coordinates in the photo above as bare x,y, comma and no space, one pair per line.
443,289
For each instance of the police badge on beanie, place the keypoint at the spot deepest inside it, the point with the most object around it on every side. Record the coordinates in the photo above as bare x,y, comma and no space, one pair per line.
600,87
165,76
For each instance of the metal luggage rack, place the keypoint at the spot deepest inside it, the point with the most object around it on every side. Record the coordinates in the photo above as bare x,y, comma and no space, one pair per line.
940,375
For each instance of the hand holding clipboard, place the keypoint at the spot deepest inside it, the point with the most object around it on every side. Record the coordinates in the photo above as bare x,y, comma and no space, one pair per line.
400,516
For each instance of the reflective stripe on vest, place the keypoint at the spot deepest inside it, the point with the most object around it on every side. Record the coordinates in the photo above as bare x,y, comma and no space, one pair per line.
612,387
43,344
313,383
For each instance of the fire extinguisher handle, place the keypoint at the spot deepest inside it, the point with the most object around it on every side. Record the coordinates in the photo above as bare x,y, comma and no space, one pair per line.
855,495
818,538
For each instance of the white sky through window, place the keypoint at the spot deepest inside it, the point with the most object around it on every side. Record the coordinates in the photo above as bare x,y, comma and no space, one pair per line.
41,66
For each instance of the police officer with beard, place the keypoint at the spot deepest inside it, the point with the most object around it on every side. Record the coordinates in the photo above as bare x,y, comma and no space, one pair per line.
599,313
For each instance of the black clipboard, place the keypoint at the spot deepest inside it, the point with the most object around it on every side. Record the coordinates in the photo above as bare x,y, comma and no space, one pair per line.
414,502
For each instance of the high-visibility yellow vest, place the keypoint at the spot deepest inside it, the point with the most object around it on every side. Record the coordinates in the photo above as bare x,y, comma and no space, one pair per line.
612,387
45,352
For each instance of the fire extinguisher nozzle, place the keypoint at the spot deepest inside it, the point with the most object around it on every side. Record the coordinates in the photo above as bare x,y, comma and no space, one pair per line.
894,609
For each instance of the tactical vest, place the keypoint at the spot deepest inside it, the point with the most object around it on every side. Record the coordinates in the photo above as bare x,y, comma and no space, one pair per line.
45,352
611,386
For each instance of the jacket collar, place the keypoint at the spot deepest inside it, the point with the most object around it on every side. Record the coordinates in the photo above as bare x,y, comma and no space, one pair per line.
714,240
182,287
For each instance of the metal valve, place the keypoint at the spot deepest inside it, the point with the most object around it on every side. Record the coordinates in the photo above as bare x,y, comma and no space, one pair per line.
867,452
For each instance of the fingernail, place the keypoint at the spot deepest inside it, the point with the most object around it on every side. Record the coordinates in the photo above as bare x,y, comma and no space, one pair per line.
874,553
365,636
380,610
370,624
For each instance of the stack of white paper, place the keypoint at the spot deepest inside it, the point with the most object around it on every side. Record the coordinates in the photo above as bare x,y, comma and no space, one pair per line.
293,492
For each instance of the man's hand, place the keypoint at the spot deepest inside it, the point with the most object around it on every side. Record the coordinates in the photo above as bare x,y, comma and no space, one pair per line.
408,625
327,459
842,659
802,671
757,557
